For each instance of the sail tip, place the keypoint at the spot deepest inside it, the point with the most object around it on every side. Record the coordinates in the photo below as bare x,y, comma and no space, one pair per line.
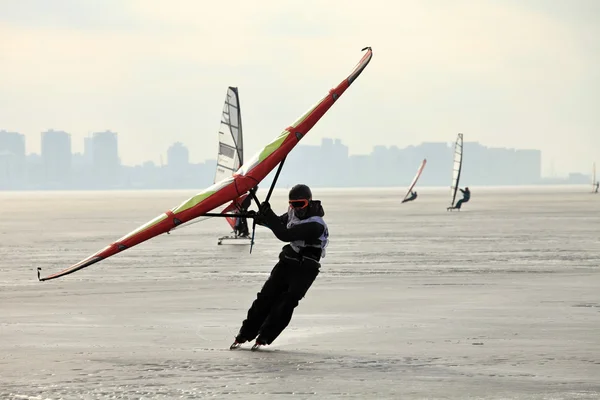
360,66
82,264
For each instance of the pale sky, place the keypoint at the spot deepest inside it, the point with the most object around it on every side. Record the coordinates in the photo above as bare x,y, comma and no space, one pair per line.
510,73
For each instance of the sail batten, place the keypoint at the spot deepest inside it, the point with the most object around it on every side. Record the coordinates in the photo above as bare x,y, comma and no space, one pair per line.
226,167
456,167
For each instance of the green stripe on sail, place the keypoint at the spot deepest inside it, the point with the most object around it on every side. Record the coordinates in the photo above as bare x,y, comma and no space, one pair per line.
150,224
274,145
197,199
303,117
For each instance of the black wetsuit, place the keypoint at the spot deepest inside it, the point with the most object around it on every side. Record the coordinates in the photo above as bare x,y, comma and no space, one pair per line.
242,223
597,185
413,196
466,197
289,280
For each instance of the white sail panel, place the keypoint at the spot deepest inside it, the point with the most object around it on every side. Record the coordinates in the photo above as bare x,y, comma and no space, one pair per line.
457,167
415,179
231,151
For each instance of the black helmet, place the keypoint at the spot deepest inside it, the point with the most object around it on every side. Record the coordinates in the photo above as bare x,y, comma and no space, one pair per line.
300,192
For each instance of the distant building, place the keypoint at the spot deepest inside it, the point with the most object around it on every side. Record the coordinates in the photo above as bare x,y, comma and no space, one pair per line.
12,160
12,142
88,152
56,158
335,153
106,165
178,157
177,174
35,171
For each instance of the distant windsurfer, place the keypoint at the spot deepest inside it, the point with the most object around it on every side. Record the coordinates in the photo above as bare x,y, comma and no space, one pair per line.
413,195
298,266
597,185
466,197
241,223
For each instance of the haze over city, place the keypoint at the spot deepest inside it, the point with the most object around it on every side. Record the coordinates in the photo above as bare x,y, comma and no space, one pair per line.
516,74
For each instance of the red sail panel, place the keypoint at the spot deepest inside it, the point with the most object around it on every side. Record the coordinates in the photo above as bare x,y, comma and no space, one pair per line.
234,206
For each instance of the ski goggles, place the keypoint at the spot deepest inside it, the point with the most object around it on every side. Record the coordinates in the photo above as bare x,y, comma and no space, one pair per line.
299,203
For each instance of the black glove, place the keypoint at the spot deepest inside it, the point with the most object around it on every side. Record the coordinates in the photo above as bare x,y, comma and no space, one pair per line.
266,216
257,217
265,208
253,214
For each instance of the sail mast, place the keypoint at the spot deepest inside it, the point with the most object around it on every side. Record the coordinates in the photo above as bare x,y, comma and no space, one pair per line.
240,142
457,167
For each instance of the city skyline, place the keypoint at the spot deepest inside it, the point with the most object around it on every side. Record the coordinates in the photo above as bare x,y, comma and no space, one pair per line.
549,166
158,160
329,164
509,74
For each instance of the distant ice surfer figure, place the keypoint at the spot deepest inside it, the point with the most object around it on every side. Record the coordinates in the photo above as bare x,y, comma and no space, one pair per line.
466,197
298,266
241,223
597,185
456,171
229,159
413,195
410,195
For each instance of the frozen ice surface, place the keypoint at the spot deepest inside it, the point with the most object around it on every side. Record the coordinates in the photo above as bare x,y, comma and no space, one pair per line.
501,300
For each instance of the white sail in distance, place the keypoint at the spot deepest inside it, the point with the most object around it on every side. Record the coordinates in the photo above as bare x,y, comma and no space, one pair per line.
231,153
415,179
231,149
456,167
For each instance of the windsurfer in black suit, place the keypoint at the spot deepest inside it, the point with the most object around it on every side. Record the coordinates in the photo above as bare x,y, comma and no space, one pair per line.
597,185
241,223
466,196
413,195
241,226
298,266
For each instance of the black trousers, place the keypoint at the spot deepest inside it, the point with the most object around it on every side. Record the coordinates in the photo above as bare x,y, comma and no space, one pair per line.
460,202
272,310
242,226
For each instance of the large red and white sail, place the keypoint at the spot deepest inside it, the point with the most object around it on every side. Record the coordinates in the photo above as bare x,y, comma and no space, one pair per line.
247,177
